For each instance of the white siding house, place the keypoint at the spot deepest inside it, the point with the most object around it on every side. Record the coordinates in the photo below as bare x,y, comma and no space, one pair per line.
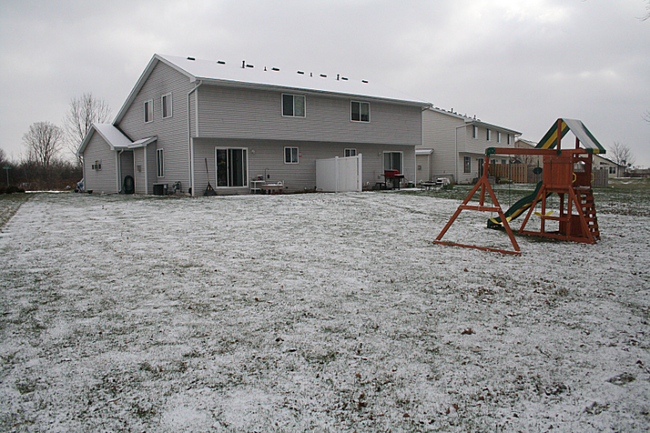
457,144
613,169
188,122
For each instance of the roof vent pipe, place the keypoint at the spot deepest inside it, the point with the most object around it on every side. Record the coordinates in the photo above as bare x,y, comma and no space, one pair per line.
191,58
243,64
338,76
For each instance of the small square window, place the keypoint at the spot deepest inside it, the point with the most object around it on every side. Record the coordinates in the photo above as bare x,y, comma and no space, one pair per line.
293,105
148,111
291,155
350,152
360,111
166,103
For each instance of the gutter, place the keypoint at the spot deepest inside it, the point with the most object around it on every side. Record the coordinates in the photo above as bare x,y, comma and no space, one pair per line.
190,146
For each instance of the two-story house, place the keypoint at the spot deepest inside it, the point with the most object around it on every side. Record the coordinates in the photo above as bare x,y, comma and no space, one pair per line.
453,145
188,122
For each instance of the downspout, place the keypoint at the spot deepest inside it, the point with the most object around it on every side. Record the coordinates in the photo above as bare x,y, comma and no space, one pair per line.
190,147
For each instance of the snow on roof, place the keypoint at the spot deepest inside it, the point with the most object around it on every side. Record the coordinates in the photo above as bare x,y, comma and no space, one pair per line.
114,137
473,121
259,76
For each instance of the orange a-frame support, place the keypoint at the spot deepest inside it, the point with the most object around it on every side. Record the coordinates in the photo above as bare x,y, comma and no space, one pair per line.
484,185
559,176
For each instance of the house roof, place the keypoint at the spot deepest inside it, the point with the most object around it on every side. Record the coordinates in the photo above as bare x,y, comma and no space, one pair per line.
269,78
474,121
114,137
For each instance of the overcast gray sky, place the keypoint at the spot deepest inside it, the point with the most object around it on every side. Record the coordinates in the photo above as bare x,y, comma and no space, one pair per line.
514,63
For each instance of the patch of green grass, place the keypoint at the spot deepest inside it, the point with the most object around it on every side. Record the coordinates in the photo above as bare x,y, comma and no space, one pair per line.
9,205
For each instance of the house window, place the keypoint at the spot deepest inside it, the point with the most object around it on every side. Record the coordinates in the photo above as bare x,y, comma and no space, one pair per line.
503,161
509,139
393,161
350,152
467,163
291,155
488,134
160,162
498,137
232,167
293,105
166,103
474,131
148,111
612,170
360,111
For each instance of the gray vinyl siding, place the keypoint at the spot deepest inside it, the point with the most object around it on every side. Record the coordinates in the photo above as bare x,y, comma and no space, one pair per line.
171,133
226,112
152,173
138,161
266,159
423,167
439,134
104,180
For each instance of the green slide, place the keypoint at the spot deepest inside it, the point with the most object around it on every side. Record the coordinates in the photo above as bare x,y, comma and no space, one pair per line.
516,209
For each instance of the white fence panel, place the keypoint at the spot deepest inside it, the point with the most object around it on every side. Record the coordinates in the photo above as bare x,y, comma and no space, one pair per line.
339,174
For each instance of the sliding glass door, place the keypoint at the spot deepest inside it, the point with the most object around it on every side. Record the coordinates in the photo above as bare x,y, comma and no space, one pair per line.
232,167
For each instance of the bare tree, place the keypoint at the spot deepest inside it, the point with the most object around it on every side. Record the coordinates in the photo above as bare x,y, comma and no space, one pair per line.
647,14
646,116
622,155
84,111
44,141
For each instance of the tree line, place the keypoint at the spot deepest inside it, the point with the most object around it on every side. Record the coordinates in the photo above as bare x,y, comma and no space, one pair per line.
45,166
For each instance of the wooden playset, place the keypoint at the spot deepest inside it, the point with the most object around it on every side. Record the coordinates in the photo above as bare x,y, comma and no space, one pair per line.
566,172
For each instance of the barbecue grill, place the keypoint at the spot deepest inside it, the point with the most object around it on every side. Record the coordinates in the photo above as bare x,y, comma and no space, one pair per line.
394,176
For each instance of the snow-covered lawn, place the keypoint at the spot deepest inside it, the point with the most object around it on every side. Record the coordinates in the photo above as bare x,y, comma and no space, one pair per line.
315,312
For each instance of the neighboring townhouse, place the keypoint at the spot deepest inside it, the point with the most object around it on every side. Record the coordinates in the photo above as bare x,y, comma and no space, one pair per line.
453,145
613,169
189,122
534,160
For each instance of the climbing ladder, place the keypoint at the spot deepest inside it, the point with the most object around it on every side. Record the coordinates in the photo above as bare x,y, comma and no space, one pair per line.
586,200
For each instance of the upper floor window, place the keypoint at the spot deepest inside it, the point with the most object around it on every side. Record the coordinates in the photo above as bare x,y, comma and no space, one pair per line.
148,111
474,131
488,135
360,111
166,103
350,152
293,105
160,162
291,155
498,137
509,140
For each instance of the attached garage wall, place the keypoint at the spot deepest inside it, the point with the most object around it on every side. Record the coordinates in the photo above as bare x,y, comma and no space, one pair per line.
104,179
